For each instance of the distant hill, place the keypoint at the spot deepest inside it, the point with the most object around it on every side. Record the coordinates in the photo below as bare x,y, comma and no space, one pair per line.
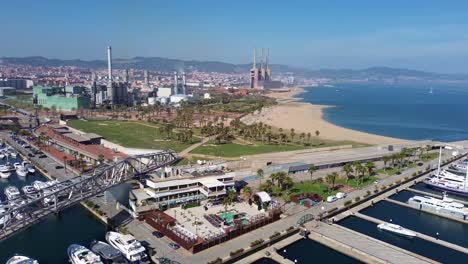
166,64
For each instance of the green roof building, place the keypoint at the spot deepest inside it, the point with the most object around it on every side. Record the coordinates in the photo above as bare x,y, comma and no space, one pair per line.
62,98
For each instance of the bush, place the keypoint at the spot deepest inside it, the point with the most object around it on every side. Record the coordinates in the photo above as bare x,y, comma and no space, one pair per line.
216,261
414,174
406,178
357,199
368,192
398,182
290,228
383,187
237,252
256,242
348,202
376,190
275,235
332,210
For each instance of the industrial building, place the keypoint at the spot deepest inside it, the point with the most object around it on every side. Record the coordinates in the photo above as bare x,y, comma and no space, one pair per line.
19,84
62,98
260,78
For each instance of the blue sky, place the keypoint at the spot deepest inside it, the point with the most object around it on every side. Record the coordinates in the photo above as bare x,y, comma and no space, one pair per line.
426,35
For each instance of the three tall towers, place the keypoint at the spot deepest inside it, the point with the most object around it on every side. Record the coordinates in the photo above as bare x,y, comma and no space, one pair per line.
259,75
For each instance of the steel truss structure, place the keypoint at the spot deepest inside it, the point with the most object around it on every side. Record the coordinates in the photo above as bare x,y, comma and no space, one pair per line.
24,211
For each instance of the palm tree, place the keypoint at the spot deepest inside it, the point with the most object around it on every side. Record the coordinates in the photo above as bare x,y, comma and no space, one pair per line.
292,134
287,183
356,166
317,133
385,160
330,179
309,135
260,174
370,166
311,170
281,177
247,191
348,168
275,177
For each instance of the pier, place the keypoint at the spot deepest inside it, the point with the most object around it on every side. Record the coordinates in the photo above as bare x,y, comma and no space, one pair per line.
420,235
362,247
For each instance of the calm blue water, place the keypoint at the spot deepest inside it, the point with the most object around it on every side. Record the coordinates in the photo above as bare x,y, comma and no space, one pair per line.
402,111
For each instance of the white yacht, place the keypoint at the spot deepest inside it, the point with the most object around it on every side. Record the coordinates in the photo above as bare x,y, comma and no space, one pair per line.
39,185
16,164
21,171
128,245
446,206
108,253
5,218
81,255
2,156
21,260
30,192
43,187
29,166
396,229
448,181
14,154
12,192
4,172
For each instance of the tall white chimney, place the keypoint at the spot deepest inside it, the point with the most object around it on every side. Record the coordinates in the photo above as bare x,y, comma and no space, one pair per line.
183,83
109,62
176,83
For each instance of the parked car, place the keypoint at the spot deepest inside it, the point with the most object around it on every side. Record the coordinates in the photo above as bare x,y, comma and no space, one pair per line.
158,234
174,246
30,155
376,182
58,167
331,199
43,156
340,195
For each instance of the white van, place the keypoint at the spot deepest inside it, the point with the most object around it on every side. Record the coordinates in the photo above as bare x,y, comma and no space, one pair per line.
331,199
340,195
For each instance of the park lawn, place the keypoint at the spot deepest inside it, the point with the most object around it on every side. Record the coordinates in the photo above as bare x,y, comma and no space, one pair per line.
130,134
353,183
232,149
237,150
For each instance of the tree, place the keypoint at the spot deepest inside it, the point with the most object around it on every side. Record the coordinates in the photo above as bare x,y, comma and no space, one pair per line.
309,135
311,170
330,179
347,168
385,160
370,166
260,175
317,133
247,191
292,134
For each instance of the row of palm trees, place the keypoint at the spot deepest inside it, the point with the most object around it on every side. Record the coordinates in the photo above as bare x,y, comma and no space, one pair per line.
405,155
278,179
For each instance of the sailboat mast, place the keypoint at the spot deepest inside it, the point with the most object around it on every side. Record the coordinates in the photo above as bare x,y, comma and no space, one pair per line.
440,159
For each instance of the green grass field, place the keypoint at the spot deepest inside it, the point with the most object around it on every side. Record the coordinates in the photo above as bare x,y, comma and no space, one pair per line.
232,150
130,134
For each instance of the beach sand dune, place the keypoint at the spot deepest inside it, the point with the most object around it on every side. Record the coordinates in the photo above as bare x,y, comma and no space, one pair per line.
305,117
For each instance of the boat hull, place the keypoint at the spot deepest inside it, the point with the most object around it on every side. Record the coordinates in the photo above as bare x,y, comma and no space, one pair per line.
447,189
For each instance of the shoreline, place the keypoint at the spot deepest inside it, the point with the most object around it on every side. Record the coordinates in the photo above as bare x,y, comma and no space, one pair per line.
306,117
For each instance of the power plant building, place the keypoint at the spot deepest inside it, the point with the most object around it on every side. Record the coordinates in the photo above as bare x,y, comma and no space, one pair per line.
62,98
260,77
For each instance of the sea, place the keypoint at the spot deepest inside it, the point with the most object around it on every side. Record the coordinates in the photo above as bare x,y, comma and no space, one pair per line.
407,111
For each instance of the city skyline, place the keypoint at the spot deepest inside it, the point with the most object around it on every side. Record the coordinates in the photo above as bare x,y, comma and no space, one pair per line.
316,35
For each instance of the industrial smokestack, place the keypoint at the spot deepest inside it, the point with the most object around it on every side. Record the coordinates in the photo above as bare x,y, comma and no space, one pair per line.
176,83
109,62
183,83
254,62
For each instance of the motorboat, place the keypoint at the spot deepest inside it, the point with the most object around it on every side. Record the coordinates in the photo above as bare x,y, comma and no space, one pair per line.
39,185
30,191
108,254
80,255
2,156
44,188
21,260
446,205
14,154
4,172
128,245
396,229
21,171
16,164
5,218
9,166
29,167
12,192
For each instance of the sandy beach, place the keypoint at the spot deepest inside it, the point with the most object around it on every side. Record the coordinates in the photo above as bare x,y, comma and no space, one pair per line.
305,117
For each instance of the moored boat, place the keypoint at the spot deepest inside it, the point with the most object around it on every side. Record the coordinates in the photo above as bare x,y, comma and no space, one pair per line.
128,245
12,192
396,229
80,255
21,260
108,254
446,205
